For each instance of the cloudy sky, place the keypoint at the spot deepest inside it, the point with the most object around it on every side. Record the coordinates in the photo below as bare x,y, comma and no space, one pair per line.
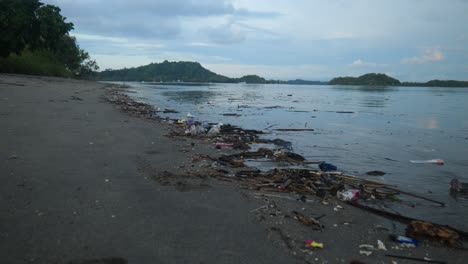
415,40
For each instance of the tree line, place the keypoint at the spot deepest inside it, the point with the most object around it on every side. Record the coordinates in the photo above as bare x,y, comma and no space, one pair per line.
35,39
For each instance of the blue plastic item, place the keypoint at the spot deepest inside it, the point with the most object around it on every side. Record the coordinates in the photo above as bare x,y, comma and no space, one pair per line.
327,167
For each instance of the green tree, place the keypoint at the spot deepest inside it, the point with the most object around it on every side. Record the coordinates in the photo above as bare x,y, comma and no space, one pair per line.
52,27
19,25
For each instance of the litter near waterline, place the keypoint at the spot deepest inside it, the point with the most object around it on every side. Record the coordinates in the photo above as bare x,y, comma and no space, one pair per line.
404,240
348,195
431,161
189,120
367,247
327,167
381,245
365,252
308,221
314,244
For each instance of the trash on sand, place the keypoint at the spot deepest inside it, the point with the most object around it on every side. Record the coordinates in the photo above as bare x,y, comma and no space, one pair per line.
308,221
13,157
416,259
327,167
314,244
367,247
375,173
338,207
381,245
365,252
215,130
404,240
189,120
421,230
195,130
348,195
431,161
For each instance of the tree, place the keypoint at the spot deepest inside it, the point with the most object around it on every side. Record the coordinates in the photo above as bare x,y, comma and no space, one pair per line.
31,26
19,25
52,27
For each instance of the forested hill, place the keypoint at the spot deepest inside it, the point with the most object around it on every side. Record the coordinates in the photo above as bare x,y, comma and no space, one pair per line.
366,79
182,71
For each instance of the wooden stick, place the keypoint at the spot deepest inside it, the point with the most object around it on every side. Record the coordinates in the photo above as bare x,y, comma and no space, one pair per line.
415,195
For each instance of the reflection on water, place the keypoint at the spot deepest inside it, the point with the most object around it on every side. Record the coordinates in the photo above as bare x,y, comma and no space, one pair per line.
369,89
428,123
373,101
194,97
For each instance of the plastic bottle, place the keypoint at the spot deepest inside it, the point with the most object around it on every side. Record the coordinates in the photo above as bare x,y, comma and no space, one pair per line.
404,240
314,244
348,195
431,161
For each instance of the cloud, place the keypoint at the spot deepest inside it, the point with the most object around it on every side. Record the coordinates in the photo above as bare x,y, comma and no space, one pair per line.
198,44
361,63
145,18
430,55
227,33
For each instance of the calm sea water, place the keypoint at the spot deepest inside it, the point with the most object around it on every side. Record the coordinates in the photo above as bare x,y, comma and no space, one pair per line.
379,128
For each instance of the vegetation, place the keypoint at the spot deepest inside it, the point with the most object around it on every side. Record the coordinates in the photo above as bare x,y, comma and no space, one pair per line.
35,40
304,82
182,71
438,83
377,79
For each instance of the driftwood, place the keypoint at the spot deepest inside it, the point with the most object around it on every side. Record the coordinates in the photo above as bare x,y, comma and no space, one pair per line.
402,218
415,195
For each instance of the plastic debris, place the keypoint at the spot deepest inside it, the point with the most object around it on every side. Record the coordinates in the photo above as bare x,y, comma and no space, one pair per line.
314,244
365,252
381,245
189,120
431,161
367,247
215,130
327,167
195,130
348,195
404,241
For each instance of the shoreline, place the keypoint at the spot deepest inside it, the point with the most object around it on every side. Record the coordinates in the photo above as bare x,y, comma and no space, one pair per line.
170,168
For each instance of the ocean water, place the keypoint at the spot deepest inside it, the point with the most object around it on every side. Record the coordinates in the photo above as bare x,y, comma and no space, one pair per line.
358,129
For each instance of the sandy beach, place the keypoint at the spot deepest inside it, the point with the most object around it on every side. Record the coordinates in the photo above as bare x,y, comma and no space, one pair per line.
84,182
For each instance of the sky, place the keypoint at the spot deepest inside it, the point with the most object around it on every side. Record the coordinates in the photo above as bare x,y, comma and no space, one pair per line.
417,40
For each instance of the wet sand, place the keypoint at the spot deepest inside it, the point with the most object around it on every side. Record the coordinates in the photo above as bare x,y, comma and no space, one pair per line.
81,179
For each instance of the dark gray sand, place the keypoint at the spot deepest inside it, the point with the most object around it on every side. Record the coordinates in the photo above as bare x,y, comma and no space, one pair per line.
81,180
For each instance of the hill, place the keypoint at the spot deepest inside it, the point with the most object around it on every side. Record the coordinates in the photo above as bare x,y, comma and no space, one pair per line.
164,72
366,79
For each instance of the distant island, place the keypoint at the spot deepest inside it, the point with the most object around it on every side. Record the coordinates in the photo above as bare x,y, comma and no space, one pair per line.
182,71
367,79
380,79
194,72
